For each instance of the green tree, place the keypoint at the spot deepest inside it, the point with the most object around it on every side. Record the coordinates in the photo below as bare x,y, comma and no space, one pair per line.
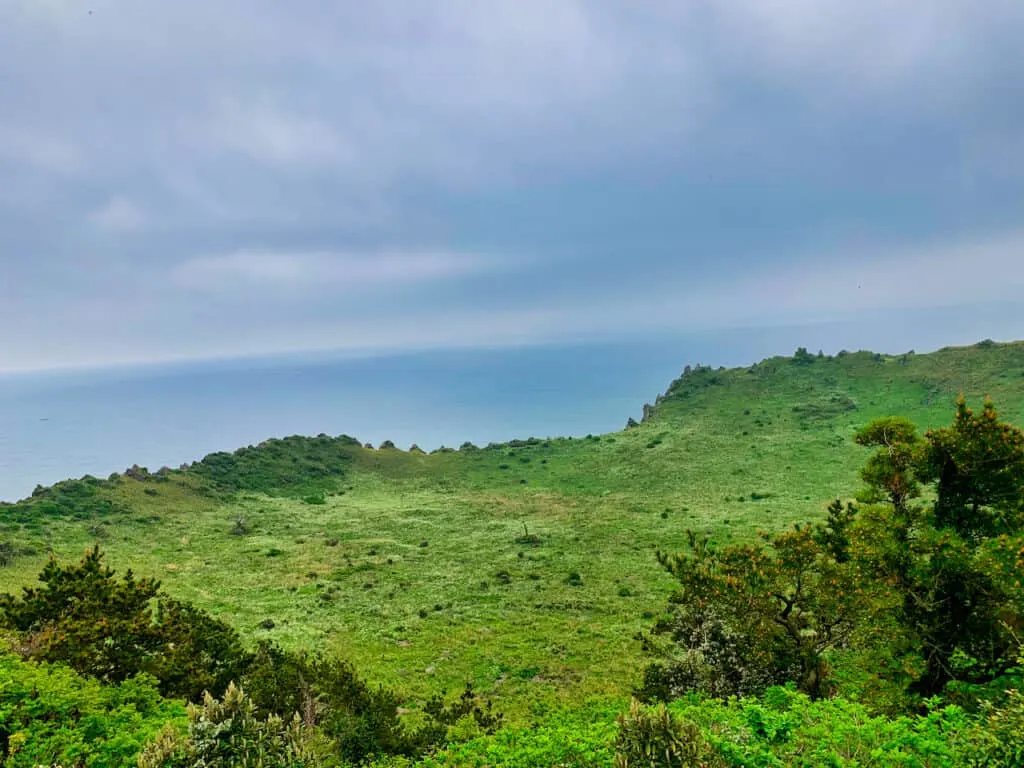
747,616
114,628
954,564
977,464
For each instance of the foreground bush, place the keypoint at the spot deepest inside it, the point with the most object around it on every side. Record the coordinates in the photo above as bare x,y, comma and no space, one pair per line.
654,738
569,738
228,734
781,728
49,715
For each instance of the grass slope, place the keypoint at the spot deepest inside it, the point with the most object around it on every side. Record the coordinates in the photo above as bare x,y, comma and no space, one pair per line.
526,567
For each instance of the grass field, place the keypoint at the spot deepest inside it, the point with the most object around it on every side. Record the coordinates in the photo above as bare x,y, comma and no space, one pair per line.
527,568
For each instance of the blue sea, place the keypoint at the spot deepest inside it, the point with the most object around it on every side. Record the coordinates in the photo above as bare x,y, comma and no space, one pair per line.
59,425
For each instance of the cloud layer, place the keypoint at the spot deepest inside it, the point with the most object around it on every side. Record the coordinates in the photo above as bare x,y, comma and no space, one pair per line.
220,179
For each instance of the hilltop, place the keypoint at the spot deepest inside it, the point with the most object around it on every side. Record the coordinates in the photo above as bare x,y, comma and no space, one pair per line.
526,567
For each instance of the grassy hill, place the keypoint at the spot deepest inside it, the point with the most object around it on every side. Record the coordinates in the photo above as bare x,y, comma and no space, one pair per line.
526,567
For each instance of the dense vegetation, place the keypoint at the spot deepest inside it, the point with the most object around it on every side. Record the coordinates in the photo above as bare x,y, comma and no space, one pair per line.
319,597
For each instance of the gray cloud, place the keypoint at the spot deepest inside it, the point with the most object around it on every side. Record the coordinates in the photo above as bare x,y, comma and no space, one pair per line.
453,172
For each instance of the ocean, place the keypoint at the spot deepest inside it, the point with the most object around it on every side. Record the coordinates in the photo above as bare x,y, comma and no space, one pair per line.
59,425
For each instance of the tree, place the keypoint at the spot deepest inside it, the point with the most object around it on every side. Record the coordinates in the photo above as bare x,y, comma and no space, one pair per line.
891,473
978,466
748,616
953,563
946,576
113,629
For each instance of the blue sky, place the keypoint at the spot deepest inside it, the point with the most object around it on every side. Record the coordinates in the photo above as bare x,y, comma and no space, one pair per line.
199,179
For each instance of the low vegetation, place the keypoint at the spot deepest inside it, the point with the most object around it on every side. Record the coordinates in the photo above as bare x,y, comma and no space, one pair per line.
804,562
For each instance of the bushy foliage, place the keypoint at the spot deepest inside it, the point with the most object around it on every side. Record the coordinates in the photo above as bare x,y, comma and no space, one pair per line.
954,564
359,720
294,465
935,588
700,651
84,499
782,727
113,629
747,616
998,739
328,693
802,356
977,464
786,728
228,734
572,738
7,553
49,715
660,739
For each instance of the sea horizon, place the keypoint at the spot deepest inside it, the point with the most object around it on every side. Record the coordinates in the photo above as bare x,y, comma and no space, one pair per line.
56,425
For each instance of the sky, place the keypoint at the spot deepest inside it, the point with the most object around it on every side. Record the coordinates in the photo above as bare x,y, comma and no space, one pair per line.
200,180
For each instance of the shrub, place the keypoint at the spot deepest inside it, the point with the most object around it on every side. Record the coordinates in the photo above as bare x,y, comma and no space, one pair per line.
52,716
582,737
659,739
998,739
747,615
114,629
361,721
228,734
293,465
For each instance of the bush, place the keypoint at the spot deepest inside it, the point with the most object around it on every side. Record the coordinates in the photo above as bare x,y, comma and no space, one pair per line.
659,739
113,629
293,465
998,739
359,720
582,737
228,734
52,716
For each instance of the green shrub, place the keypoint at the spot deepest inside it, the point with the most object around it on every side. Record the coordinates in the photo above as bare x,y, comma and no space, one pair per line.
228,734
360,721
998,739
293,465
113,629
581,738
49,715
659,739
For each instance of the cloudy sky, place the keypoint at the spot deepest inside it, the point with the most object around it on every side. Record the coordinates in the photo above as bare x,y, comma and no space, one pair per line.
196,179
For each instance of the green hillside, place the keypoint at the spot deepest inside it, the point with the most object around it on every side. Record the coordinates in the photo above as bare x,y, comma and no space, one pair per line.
528,567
